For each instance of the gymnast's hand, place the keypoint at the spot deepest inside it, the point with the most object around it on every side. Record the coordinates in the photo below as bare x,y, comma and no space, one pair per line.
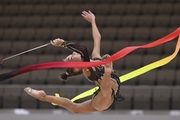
57,42
88,15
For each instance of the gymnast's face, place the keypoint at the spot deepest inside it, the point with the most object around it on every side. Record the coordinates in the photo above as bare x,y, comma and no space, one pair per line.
74,57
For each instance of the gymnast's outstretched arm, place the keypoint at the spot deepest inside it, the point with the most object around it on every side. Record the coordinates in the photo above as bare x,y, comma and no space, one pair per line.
90,17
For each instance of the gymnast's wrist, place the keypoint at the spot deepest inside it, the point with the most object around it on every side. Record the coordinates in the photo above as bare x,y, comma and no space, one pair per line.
63,44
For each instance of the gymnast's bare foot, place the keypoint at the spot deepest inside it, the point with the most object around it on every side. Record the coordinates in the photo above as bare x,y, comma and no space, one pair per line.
108,67
38,94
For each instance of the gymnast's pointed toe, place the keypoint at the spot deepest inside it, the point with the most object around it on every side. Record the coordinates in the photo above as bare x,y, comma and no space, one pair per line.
28,90
38,94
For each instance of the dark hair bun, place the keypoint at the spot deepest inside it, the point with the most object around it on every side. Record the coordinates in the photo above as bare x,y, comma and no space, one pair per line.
64,76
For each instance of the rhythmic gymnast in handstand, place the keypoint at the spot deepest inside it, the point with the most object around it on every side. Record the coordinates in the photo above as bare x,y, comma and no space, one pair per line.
103,76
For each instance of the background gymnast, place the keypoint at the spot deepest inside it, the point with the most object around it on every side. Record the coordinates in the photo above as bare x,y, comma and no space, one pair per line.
103,76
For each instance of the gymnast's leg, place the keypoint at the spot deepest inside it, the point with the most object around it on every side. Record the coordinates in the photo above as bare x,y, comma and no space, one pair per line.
85,107
106,87
104,99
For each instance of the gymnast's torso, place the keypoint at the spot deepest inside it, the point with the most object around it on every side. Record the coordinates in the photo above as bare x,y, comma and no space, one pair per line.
94,74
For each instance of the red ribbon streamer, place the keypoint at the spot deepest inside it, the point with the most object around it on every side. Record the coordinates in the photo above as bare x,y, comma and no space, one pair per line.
114,57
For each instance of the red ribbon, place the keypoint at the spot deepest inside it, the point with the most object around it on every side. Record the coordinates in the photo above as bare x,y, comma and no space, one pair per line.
114,57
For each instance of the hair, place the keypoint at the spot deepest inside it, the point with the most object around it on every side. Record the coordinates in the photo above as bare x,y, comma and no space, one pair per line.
70,72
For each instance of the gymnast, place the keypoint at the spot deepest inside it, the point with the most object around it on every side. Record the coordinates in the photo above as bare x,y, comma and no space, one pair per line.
103,76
